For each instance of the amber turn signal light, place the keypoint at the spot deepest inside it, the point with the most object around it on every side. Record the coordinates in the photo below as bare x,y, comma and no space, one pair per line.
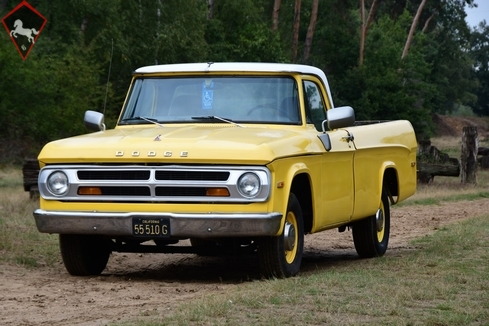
89,191
217,192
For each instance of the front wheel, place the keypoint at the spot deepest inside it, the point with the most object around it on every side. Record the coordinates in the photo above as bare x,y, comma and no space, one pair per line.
371,235
84,255
282,256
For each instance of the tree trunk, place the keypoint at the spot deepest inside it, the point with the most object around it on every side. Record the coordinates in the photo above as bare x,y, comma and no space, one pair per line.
470,144
140,12
362,32
275,14
427,22
84,25
413,28
210,9
295,34
365,26
310,30
371,15
158,14
158,29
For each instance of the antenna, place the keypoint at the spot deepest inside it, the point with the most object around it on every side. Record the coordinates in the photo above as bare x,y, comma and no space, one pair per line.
108,76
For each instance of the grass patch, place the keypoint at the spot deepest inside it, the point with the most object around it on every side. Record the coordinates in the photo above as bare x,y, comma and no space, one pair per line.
10,177
20,242
444,282
449,198
449,189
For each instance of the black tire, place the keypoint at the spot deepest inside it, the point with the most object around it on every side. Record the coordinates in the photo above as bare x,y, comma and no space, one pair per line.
279,257
84,255
371,238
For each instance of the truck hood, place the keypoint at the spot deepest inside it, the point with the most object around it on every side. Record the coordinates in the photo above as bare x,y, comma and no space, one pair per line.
198,143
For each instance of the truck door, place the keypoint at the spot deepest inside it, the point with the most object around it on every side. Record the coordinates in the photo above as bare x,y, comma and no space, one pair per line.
334,205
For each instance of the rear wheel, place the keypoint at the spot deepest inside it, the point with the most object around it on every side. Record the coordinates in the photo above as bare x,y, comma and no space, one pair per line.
282,256
371,235
84,255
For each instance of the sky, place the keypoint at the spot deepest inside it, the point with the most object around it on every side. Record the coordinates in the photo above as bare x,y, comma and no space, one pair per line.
476,15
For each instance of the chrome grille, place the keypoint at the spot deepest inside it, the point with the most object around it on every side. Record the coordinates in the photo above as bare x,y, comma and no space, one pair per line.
180,191
125,191
113,175
191,175
172,183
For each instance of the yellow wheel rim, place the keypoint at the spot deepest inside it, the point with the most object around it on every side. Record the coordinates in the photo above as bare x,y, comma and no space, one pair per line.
292,237
380,222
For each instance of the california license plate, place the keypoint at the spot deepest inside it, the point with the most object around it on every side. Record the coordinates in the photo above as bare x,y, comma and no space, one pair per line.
150,227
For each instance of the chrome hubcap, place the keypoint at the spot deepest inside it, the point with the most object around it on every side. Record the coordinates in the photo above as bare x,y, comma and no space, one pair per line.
289,236
379,220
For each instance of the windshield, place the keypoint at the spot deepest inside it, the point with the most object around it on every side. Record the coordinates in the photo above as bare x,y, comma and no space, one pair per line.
212,99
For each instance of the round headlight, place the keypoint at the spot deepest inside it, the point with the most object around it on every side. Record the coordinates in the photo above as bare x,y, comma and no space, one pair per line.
58,183
249,185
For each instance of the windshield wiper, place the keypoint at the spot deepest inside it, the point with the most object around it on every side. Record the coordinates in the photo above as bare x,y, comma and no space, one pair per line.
150,120
215,117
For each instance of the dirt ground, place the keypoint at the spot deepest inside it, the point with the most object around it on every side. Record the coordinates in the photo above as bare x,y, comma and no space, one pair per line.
136,285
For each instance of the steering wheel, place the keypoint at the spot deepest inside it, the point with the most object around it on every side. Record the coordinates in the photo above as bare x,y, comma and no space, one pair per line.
269,106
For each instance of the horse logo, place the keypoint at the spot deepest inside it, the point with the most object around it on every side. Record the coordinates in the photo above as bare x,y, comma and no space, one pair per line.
14,21
19,29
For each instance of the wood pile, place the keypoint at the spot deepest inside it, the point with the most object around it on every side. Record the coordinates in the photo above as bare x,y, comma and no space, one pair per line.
483,157
30,172
432,162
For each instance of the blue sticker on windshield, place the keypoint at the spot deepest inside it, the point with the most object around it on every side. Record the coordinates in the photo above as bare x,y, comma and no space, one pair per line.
207,95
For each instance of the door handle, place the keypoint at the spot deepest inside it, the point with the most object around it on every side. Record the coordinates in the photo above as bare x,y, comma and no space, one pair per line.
348,138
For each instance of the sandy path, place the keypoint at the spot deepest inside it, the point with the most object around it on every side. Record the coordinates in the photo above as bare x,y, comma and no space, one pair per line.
135,285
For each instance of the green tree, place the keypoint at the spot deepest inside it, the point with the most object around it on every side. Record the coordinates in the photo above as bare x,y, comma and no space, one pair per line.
446,50
479,50
240,31
45,97
386,87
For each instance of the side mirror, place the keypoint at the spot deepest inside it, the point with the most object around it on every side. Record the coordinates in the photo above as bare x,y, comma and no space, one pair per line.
340,117
94,121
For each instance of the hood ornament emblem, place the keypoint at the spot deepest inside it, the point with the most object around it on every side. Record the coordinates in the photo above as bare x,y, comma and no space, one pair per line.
157,138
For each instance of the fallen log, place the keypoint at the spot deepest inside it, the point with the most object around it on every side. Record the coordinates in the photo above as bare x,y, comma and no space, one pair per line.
427,171
484,162
483,151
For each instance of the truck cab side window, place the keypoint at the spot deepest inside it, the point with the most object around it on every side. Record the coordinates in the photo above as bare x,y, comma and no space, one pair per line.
314,105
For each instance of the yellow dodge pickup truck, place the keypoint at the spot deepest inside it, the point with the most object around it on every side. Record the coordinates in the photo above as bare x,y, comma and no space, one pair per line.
236,157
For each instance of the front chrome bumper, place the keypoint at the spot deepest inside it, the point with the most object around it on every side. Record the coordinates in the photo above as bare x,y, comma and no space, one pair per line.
182,225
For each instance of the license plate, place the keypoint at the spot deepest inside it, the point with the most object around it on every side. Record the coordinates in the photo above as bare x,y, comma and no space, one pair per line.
150,227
